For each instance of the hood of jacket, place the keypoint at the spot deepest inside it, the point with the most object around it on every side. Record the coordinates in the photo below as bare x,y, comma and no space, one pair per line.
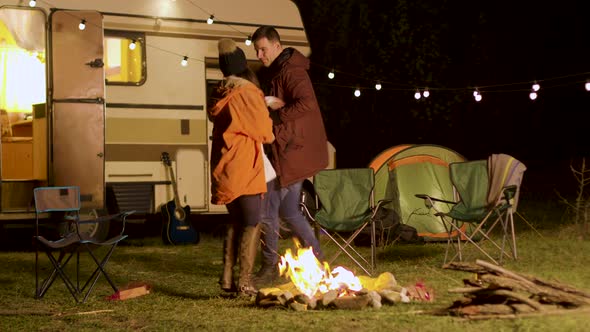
226,87
292,57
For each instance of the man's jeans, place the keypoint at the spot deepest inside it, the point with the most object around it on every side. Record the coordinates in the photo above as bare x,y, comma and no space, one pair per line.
284,203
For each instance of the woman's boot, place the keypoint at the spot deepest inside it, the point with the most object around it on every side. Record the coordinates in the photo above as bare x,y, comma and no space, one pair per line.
248,250
226,281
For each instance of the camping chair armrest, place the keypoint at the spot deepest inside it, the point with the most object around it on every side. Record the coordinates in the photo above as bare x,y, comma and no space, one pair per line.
434,199
307,212
508,194
379,205
429,202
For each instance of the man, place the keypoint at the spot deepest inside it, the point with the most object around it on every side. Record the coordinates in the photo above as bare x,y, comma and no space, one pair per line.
300,148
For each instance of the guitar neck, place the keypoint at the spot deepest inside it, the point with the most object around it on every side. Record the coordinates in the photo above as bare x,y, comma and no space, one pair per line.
174,187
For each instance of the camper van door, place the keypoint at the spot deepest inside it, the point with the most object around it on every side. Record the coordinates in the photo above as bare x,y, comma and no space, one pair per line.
77,103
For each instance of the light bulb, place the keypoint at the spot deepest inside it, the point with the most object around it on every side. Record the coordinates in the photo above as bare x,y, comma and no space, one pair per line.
82,25
587,86
248,41
426,93
536,86
533,95
378,86
32,3
357,92
210,19
478,97
132,45
184,61
417,95
475,93
331,75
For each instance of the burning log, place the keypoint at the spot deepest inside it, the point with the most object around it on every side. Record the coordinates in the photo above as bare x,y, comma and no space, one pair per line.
375,293
315,286
499,293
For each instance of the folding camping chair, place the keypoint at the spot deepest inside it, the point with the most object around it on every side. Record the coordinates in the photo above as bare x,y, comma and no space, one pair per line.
345,202
488,191
64,203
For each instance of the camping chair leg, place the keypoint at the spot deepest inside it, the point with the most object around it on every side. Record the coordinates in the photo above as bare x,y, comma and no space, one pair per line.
47,282
78,271
450,242
373,247
346,245
513,234
461,233
58,270
343,249
98,271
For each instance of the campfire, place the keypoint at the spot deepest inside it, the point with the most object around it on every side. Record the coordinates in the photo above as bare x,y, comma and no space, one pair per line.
313,285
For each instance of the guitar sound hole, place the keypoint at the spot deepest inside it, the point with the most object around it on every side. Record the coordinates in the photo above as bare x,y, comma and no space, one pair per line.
179,213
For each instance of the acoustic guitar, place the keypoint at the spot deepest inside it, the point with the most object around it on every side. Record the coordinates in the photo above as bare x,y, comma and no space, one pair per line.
176,227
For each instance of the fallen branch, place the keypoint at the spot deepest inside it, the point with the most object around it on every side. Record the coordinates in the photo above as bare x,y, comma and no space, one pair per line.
94,312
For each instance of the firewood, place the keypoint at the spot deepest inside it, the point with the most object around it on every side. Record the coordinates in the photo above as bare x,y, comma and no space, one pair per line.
499,293
352,302
547,293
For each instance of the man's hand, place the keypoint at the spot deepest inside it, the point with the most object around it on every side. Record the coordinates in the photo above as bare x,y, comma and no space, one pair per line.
274,103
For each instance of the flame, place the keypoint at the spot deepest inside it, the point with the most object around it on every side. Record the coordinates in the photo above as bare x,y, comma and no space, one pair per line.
311,277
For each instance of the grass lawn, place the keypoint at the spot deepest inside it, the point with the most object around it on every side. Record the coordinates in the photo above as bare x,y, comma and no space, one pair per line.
185,295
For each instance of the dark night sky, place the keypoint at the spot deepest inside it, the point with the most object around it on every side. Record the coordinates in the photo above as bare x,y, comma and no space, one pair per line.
453,45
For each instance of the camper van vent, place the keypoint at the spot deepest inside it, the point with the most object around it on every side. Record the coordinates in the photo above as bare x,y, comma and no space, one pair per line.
130,196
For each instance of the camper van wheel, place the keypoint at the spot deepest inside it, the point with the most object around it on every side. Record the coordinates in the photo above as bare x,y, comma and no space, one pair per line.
98,231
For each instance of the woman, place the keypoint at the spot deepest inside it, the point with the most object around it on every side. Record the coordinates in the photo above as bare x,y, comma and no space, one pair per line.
241,124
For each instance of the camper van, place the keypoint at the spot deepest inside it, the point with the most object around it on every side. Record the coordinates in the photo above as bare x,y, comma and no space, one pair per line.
93,93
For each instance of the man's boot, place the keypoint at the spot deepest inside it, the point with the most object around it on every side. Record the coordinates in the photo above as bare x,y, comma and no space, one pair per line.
248,250
226,281
267,275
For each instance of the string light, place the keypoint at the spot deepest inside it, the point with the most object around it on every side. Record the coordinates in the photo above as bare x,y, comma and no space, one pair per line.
477,95
32,3
357,92
378,85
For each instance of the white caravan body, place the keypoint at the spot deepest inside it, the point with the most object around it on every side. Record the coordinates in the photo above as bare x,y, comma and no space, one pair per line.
108,113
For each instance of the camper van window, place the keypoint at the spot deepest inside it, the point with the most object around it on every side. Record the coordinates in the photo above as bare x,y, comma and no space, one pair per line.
124,57
22,60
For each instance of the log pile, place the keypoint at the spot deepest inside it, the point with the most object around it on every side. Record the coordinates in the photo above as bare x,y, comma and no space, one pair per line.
496,292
